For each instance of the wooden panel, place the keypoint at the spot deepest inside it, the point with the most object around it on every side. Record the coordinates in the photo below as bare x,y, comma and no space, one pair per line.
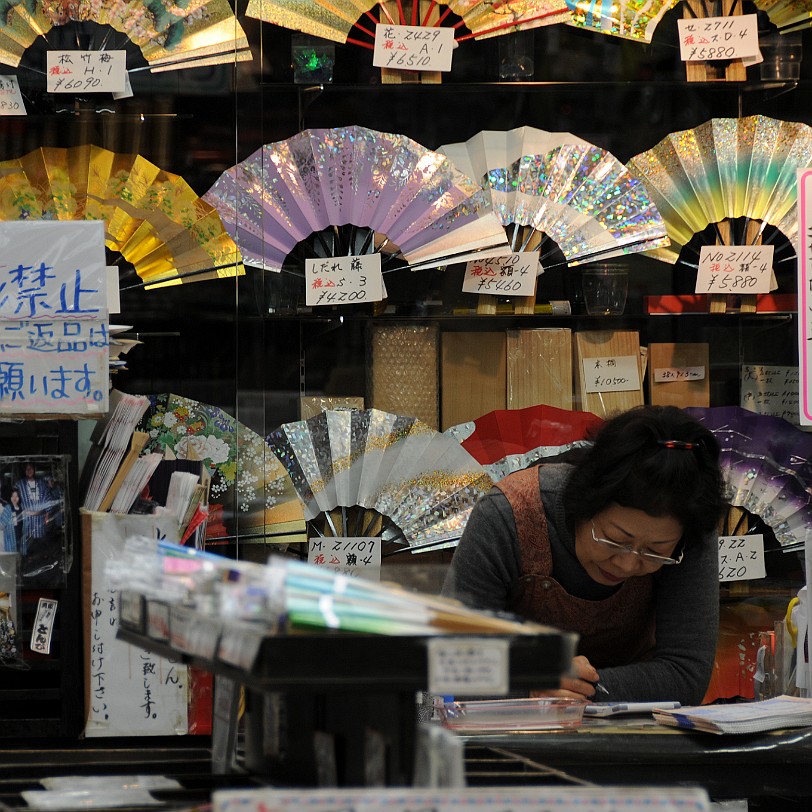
679,392
473,376
539,368
606,344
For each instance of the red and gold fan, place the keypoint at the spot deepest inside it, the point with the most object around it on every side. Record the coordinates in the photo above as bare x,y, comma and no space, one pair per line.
153,218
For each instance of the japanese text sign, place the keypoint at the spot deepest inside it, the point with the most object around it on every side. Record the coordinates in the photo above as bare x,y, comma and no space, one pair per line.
343,280
735,269
708,38
805,293
348,555
11,100
611,374
86,71
468,666
54,338
413,47
770,390
673,374
511,275
741,558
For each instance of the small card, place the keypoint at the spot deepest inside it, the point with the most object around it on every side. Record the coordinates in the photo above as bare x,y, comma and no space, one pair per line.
86,71
741,558
347,555
735,269
712,38
11,100
612,374
413,47
510,275
43,626
671,374
343,280
475,666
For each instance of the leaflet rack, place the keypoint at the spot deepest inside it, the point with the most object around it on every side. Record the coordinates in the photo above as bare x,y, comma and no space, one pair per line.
327,709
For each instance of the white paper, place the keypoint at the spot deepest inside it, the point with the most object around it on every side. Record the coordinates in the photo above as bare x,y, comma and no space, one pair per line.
770,390
672,374
710,38
735,269
741,558
475,666
804,293
343,280
511,275
611,374
413,47
11,99
347,555
86,71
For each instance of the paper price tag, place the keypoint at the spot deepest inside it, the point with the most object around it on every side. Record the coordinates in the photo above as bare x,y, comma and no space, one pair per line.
618,374
180,623
413,47
131,609
669,374
86,71
202,635
741,558
708,38
735,269
239,646
468,666
510,275
353,556
43,626
11,100
158,620
343,280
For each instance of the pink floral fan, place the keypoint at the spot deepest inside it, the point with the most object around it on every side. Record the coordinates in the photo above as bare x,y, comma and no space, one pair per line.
353,191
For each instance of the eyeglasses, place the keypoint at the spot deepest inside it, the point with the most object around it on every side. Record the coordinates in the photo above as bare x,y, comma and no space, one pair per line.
649,558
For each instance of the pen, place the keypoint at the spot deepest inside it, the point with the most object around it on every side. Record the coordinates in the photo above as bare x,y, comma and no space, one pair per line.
600,689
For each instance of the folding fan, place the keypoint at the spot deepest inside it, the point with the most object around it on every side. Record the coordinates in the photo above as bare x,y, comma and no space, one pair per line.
171,36
506,440
152,217
413,484
562,188
767,466
249,488
389,193
726,168
338,19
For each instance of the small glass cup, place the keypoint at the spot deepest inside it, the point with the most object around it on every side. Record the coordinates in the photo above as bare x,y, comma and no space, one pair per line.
605,289
782,54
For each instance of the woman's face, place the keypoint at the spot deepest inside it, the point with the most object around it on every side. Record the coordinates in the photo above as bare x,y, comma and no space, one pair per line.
630,527
14,498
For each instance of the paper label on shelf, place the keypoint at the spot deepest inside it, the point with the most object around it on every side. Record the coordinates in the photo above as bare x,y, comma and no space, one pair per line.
11,100
343,280
770,390
611,374
239,646
86,71
671,374
735,269
158,620
509,275
413,47
131,610
468,666
348,555
43,626
741,558
711,38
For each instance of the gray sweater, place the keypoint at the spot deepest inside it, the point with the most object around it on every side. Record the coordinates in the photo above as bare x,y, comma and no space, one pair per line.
485,568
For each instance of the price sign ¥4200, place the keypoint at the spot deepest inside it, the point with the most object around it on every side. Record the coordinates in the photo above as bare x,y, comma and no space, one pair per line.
343,280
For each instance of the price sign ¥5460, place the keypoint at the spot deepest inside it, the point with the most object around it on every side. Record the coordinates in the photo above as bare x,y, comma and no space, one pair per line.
510,275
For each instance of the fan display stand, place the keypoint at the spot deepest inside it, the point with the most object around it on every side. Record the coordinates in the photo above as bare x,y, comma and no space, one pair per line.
427,14
321,708
733,70
741,303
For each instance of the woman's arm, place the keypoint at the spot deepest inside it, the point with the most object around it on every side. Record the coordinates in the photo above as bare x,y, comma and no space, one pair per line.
687,618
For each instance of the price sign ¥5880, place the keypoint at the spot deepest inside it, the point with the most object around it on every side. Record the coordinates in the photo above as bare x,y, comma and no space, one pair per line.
735,269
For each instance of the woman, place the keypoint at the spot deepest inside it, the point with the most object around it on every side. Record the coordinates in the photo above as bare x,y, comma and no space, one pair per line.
7,527
17,512
619,547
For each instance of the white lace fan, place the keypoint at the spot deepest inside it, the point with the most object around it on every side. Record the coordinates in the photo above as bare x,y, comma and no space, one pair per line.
382,191
410,483
563,189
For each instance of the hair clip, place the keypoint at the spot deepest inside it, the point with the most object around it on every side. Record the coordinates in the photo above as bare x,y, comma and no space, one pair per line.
677,444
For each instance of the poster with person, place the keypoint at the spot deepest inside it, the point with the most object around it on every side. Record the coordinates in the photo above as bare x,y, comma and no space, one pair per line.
33,511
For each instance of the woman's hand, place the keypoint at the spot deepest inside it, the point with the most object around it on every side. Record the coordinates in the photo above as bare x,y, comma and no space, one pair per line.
578,684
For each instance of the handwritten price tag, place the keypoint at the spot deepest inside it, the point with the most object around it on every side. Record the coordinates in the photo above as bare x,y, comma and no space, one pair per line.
618,374
710,38
468,666
353,556
511,275
771,390
735,269
11,100
343,280
413,47
86,71
741,558
669,374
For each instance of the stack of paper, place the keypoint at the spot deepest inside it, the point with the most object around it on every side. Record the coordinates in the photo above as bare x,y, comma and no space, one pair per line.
134,482
743,717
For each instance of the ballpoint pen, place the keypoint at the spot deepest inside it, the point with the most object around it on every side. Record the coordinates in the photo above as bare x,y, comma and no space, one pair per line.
600,689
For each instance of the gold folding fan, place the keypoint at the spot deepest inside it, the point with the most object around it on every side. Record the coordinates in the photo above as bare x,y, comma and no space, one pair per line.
169,35
153,218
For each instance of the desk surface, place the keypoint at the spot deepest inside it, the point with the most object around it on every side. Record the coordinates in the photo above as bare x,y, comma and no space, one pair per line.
638,751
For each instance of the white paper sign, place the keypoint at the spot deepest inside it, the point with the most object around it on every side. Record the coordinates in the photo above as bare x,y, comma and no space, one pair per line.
770,390
43,626
354,556
735,269
86,71
131,691
611,374
510,275
11,100
805,293
413,47
741,558
671,374
54,337
708,38
468,666
343,280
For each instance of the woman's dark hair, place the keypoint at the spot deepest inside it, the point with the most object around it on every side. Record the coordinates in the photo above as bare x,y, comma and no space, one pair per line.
657,459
